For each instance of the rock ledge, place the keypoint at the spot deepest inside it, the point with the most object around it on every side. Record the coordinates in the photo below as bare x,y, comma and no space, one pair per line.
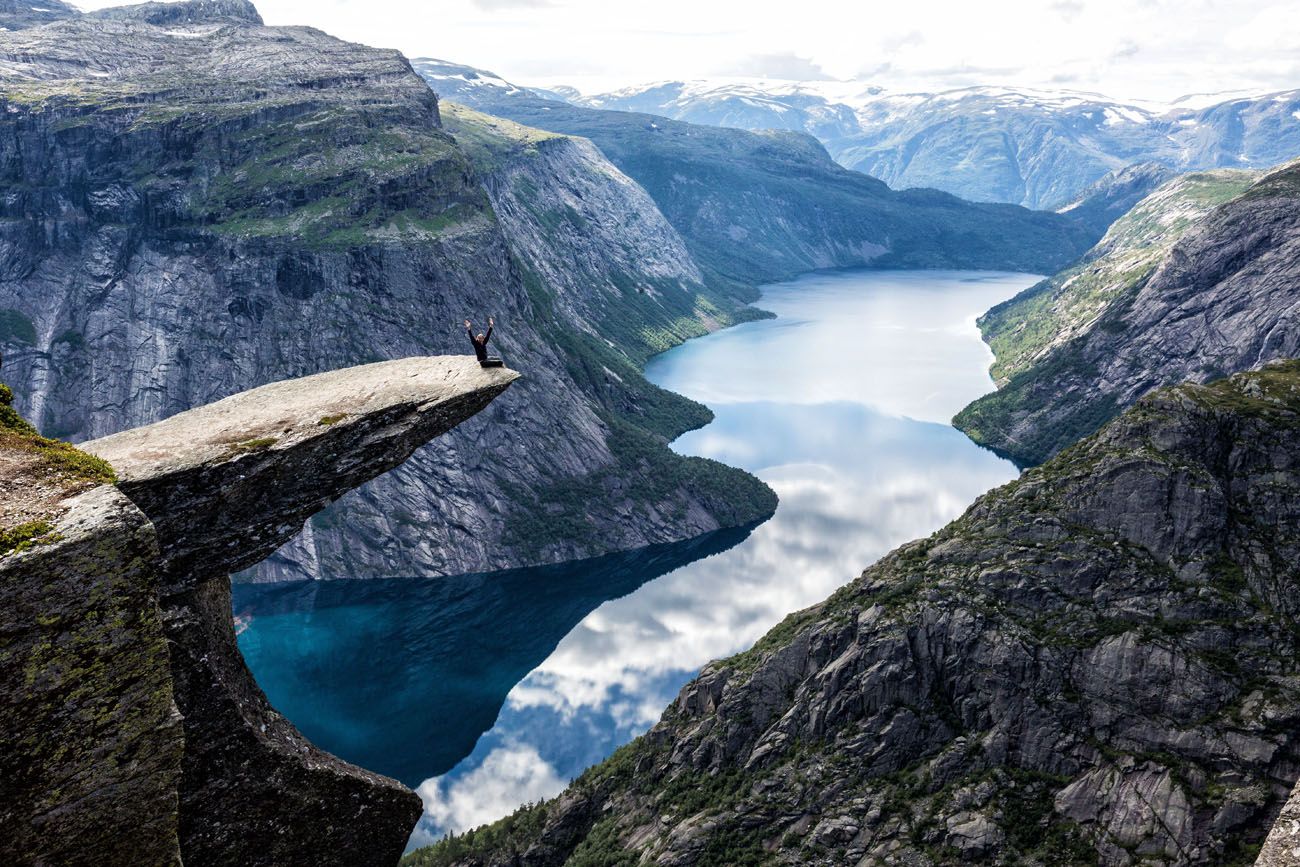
131,715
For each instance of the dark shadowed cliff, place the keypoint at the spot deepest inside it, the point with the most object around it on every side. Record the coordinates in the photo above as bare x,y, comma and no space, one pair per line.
763,206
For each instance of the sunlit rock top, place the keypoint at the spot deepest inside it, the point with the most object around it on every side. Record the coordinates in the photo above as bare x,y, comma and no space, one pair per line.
228,483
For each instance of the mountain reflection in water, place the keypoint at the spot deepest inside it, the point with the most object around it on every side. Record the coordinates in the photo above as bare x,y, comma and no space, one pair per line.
362,665
841,404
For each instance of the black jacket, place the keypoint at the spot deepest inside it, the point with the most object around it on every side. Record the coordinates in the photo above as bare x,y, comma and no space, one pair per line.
480,346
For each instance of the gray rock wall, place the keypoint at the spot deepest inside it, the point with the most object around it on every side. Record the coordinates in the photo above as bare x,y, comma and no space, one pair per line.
1224,299
90,754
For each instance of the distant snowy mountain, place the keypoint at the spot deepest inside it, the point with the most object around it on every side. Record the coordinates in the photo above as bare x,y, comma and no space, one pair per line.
449,79
756,104
1040,148
1033,147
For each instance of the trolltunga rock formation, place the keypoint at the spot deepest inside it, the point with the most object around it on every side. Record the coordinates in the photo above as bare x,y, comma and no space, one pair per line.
134,731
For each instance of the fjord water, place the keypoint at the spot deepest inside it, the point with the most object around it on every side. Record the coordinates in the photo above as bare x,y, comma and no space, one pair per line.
487,691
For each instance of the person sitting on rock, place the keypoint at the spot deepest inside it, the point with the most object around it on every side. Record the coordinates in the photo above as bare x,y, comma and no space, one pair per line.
480,341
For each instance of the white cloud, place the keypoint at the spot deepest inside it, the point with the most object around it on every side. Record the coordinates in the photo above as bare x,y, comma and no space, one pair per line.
508,777
495,5
784,65
1187,46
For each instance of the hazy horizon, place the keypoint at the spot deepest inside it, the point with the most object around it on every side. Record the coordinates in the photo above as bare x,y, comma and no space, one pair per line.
1149,50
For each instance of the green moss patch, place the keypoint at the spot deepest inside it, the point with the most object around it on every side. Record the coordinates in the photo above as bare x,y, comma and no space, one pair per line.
66,460
253,445
26,536
16,328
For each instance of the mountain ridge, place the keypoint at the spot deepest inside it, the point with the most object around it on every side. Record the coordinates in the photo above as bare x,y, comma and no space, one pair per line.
1203,287
1022,145
758,207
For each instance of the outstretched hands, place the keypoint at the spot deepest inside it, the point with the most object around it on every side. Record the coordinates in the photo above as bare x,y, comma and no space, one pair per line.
491,322
468,323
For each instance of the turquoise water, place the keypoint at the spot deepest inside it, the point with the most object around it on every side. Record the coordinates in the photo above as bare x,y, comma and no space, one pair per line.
487,691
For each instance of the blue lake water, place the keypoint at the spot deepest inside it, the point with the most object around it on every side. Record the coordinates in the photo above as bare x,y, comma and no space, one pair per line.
488,691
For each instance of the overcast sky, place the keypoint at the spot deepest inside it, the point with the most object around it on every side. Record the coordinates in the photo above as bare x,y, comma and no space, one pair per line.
1138,49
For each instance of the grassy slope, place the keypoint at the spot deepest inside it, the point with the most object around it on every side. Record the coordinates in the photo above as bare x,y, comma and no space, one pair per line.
1044,315
1036,335
40,471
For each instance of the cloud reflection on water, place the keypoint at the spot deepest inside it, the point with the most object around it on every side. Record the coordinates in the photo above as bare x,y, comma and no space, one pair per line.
821,404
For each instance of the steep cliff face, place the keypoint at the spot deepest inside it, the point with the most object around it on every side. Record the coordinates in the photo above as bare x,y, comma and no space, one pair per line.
1198,281
1095,664
211,204
1022,330
135,733
762,206
615,266
91,746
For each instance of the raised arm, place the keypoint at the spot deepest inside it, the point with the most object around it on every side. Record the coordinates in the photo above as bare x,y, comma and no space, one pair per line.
491,323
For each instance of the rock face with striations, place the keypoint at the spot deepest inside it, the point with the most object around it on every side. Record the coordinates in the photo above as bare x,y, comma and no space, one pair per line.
1198,281
1097,663
206,203
136,733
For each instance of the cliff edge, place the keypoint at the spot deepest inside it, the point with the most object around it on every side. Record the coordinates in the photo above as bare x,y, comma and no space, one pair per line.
132,717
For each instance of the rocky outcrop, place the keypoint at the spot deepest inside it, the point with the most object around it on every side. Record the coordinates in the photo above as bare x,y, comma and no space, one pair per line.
1198,281
130,713
213,204
183,12
1097,663
227,484
1282,848
17,14
92,743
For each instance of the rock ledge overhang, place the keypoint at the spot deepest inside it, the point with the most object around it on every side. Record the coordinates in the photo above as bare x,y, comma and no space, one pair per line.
228,483
137,733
